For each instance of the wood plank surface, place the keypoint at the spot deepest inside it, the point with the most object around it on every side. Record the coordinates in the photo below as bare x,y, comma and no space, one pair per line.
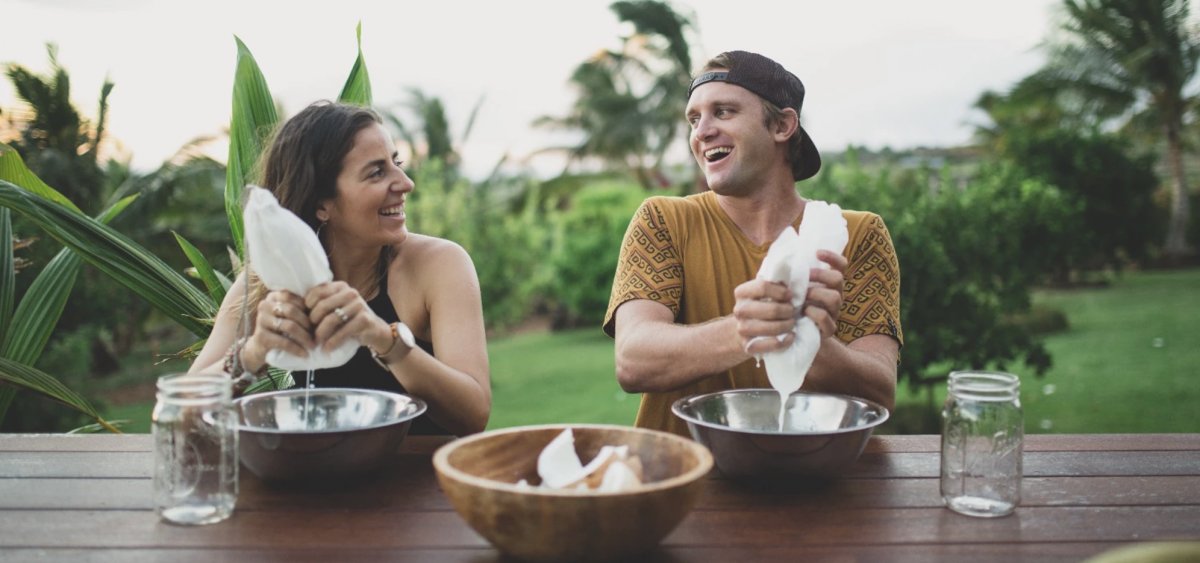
778,527
927,443
919,553
420,492
1050,442
133,464
88,498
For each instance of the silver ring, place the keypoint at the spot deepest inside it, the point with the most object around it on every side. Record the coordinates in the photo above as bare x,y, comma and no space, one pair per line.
341,314
278,321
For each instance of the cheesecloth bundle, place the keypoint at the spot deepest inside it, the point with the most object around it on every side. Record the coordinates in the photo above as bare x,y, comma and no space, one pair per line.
789,260
285,253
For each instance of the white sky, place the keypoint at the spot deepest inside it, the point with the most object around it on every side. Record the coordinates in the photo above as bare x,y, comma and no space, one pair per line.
878,72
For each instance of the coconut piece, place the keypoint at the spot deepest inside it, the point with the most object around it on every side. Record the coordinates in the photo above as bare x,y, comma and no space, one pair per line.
635,464
619,477
558,465
607,456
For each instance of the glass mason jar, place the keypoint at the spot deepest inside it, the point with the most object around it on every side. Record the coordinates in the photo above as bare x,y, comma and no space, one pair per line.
982,439
195,449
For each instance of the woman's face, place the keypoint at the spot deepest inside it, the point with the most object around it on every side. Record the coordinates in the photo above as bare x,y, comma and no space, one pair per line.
371,189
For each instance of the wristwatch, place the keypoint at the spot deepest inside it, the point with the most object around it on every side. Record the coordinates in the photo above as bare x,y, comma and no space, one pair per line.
400,334
405,334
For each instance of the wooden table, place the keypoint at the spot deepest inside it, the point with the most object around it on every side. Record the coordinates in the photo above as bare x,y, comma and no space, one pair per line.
89,498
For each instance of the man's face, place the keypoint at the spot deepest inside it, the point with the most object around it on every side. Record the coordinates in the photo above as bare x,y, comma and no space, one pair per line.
729,140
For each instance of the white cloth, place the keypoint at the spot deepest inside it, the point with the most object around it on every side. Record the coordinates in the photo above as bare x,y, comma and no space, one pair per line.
789,260
285,254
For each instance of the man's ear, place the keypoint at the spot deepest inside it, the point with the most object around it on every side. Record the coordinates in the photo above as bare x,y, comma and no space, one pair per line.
786,125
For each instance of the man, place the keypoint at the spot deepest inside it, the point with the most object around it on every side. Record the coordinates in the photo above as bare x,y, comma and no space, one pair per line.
685,305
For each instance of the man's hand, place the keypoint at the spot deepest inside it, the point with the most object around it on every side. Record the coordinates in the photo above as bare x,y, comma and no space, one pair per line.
764,313
824,297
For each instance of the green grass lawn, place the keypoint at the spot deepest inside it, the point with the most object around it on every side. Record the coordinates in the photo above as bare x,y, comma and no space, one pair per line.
557,377
1130,362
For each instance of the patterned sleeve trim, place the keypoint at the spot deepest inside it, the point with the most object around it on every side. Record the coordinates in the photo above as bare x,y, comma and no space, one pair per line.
649,266
871,301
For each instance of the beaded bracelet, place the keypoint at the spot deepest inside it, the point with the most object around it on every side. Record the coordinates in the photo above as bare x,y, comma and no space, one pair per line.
233,360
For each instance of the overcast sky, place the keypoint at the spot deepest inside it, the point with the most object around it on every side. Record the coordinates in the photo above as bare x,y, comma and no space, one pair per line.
878,72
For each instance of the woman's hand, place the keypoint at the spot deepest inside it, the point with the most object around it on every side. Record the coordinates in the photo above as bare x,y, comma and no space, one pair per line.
338,312
281,323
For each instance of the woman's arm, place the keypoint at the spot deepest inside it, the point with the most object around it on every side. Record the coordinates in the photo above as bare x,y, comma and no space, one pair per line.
224,332
456,383
440,274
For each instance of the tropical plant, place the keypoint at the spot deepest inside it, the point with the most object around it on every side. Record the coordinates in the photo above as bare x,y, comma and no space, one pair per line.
1113,187
968,258
116,255
1133,61
25,331
504,235
56,143
630,101
585,249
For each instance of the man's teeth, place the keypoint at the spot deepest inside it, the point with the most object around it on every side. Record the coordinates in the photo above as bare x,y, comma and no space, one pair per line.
718,152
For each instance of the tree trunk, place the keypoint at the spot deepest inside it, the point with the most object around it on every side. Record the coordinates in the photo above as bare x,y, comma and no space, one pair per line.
1176,247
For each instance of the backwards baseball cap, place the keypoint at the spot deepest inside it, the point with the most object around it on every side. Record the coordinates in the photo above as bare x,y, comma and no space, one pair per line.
770,81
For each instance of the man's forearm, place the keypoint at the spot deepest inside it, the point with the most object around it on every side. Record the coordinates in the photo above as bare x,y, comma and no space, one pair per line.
865,368
657,356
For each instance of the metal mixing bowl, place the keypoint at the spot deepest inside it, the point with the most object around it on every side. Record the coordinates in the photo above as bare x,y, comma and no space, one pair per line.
341,432
822,434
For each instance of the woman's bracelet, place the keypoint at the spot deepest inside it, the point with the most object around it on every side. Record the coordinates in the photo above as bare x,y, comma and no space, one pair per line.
235,369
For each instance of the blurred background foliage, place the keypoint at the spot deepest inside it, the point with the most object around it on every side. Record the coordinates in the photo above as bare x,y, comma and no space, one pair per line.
1078,174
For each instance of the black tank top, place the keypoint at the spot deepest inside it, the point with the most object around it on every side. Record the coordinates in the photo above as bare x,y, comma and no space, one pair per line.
361,372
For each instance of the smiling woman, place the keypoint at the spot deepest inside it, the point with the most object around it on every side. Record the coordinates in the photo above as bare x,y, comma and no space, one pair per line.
401,294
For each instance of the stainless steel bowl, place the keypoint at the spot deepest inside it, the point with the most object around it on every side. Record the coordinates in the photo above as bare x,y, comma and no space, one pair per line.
304,435
822,434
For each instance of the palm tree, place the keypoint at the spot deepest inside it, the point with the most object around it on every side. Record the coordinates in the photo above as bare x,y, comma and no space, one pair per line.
56,142
1132,60
630,101
130,264
434,141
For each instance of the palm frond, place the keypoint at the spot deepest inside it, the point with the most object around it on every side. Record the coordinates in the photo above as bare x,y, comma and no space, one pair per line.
114,254
357,89
204,270
22,376
253,118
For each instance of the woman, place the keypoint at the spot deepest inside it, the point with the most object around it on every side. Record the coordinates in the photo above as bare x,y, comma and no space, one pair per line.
335,167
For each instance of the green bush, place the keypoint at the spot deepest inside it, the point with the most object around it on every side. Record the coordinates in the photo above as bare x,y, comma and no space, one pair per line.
1118,219
587,244
508,246
969,253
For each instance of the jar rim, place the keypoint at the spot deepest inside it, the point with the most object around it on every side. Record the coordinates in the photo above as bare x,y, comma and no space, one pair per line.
984,384
194,386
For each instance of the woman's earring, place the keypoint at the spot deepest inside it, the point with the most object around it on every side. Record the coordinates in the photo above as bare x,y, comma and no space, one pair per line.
319,227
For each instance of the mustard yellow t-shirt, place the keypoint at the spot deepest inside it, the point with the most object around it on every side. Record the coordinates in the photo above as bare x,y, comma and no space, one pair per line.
687,254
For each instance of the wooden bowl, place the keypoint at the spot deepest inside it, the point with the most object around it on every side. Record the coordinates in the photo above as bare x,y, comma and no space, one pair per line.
479,474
